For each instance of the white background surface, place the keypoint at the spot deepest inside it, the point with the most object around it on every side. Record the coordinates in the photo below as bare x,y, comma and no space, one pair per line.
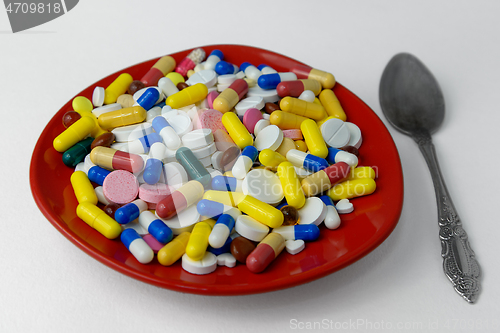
47,284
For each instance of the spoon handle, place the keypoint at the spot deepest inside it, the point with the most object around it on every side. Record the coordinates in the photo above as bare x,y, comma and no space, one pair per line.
459,262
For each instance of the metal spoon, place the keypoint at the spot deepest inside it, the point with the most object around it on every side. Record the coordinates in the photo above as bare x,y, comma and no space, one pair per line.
412,102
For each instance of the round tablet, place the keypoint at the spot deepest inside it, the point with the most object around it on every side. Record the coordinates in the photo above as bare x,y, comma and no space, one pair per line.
106,108
184,221
204,151
314,211
269,96
174,174
260,125
181,123
335,133
250,228
121,187
211,119
264,185
198,138
132,132
270,137
207,76
98,96
356,138
226,79
200,267
254,102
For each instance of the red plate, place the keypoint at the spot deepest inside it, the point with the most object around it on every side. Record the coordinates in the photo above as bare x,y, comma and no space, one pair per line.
373,219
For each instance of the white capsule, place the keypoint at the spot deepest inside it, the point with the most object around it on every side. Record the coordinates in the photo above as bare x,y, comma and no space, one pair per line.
167,86
332,218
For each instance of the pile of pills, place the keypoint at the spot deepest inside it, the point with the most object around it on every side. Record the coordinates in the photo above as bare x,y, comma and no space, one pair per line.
212,163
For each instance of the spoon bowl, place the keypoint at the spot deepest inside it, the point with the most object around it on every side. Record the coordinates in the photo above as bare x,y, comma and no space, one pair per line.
410,96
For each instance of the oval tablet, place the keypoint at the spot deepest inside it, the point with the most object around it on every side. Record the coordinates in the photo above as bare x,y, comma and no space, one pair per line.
208,77
263,185
198,138
132,132
253,102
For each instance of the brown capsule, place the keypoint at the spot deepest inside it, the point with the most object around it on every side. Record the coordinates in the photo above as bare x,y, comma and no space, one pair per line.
135,86
182,85
271,107
290,214
70,118
111,208
241,248
229,157
104,140
351,149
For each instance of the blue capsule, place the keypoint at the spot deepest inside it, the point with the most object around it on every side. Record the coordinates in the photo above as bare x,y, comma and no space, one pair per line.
137,246
223,249
149,98
271,81
223,68
152,171
214,209
221,230
148,140
97,174
130,211
224,183
337,155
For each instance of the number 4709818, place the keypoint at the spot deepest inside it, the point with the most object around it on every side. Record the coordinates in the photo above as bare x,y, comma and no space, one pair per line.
24,7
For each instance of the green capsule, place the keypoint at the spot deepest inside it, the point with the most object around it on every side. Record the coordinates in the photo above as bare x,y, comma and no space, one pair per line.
193,166
77,153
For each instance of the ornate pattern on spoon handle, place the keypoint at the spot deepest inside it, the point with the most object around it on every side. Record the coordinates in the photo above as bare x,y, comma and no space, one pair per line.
459,262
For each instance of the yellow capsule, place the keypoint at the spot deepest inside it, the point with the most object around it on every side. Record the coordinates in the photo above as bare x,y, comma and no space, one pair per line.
227,99
84,191
302,108
237,131
301,145
198,241
226,198
312,85
74,134
97,129
118,87
82,104
286,120
173,250
187,96
211,222
326,79
352,189
314,139
317,101
98,219
361,172
123,117
261,211
270,158
331,104
291,185
175,77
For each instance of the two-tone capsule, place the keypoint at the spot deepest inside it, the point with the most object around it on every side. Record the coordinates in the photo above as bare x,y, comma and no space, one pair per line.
306,232
110,158
326,79
163,66
267,250
309,162
337,155
212,60
297,87
225,183
97,174
142,145
167,132
179,200
250,71
324,179
214,209
159,230
230,96
131,211
332,217
137,246
244,162
271,81
221,230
